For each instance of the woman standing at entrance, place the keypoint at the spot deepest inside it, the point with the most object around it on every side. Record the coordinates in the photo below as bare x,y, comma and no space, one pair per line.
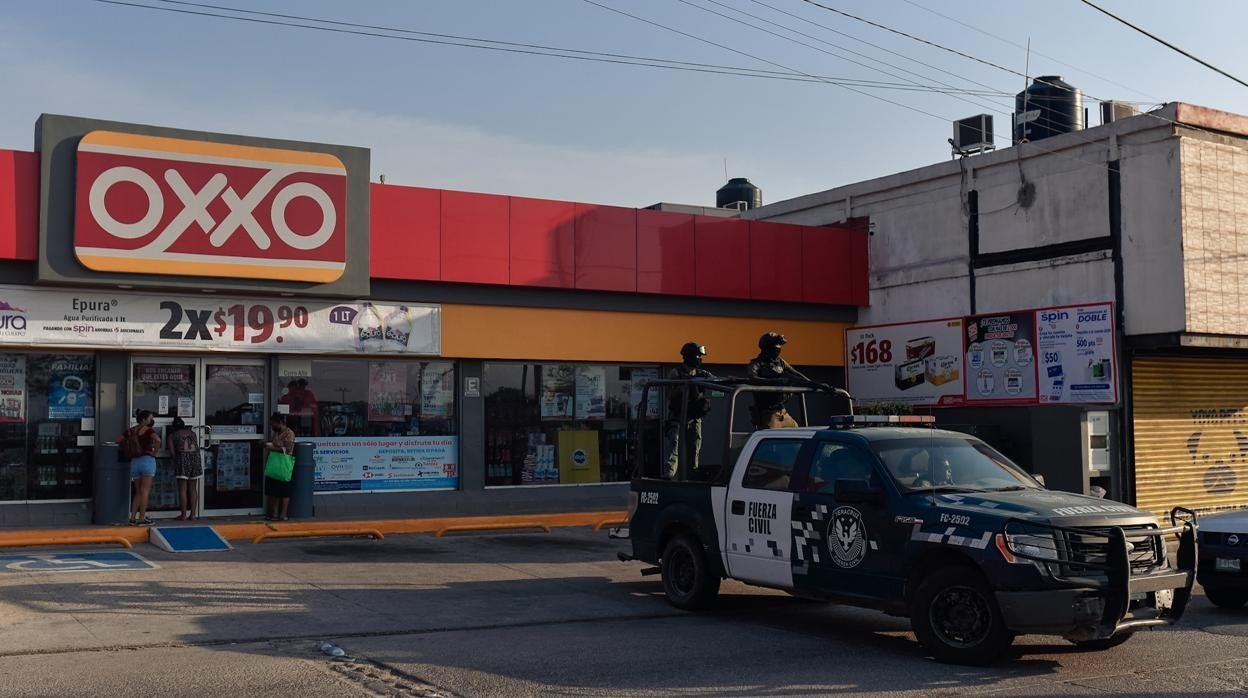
140,444
279,468
184,448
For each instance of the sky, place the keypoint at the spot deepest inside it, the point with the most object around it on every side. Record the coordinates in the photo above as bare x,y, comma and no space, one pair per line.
459,118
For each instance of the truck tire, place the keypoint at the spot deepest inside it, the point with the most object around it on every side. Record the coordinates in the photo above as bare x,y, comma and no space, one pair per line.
1103,643
956,617
687,580
1226,598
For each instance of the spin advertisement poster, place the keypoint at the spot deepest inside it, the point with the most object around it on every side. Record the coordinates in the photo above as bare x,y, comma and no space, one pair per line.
1077,355
919,362
1001,358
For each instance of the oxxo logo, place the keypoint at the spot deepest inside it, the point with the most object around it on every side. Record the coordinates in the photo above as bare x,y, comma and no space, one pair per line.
154,205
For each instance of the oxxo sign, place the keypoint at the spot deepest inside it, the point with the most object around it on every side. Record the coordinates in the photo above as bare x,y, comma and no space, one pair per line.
158,205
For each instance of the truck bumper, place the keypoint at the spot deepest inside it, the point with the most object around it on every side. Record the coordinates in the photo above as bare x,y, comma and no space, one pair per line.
1119,603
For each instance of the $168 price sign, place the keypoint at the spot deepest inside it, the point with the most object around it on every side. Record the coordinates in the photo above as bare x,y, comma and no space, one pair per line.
872,352
254,323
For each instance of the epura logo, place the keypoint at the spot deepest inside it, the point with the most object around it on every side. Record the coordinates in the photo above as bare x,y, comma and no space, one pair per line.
12,319
154,205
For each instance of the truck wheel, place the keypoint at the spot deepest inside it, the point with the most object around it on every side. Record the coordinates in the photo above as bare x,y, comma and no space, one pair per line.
1103,643
1226,598
687,581
956,617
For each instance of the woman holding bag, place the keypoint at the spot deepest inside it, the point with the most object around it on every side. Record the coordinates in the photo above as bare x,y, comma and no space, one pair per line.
279,467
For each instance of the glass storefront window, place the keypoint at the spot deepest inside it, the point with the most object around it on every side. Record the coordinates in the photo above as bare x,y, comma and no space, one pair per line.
549,424
377,425
47,421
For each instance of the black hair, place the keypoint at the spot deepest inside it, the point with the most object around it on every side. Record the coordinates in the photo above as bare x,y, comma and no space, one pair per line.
142,415
277,418
177,424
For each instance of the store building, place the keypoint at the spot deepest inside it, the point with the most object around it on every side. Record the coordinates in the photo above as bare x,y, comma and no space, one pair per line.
1141,223
447,352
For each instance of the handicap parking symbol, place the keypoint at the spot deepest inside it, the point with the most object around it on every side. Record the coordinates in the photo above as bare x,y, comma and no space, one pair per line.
110,561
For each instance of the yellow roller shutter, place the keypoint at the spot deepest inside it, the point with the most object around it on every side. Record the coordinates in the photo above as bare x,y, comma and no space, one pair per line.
1191,433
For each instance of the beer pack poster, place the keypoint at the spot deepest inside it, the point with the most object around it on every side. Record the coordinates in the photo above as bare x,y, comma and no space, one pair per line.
1001,358
916,362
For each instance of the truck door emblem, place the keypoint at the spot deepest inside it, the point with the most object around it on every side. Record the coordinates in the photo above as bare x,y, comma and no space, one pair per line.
847,537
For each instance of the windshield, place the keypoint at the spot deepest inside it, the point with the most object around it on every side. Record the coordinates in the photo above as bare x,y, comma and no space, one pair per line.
949,464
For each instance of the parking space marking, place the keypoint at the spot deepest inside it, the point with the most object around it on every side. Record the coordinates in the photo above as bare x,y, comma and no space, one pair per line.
108,561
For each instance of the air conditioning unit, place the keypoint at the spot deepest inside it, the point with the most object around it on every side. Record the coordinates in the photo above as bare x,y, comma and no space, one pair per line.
972,135
1112,111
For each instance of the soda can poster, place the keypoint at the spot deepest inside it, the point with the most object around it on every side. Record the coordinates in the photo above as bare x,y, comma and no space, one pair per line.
12,388
1001,358
70,386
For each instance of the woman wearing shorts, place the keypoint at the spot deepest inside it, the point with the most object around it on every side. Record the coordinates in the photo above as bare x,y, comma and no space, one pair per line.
143,466
187,466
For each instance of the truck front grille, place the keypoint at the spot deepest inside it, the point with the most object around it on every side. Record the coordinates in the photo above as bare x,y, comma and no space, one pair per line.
1085,551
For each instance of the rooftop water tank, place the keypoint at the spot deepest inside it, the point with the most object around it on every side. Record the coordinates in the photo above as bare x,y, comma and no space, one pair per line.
1049,107
738,193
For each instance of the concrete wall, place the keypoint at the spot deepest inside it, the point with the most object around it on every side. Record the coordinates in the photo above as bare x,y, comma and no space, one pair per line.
1152,240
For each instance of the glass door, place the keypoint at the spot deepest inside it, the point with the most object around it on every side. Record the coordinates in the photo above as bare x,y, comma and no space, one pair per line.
235,394
225,401
166,387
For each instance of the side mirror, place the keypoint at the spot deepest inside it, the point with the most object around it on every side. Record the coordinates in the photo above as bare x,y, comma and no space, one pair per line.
853,491
1040,479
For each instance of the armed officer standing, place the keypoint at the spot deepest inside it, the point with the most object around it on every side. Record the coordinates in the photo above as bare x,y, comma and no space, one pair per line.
690,367
769,411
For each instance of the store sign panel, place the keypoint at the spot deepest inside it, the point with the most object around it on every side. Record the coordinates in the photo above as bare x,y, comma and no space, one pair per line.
1077,355
150,321
919,363
146,206
1001,358
171,206
387,463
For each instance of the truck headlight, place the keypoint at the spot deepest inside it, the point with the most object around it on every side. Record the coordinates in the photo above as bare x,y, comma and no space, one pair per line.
1032,546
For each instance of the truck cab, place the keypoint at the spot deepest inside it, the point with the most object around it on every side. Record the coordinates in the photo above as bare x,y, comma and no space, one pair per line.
894,514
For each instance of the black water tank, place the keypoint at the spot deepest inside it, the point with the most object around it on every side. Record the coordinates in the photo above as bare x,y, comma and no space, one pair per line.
1049,107
738,193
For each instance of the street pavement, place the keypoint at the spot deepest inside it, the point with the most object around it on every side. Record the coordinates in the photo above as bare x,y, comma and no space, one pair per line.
514,614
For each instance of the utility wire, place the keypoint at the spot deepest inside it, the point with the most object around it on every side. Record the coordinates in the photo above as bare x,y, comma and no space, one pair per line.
981,105
757,58
522,48
1162,41
1015,44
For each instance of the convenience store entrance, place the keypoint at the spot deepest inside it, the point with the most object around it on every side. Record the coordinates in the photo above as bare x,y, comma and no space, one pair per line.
225,402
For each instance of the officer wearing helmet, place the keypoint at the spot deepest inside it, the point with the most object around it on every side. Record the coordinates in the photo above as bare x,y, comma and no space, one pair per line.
769,411
690,367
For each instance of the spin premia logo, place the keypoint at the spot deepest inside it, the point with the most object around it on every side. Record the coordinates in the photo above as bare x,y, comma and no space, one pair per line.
155,205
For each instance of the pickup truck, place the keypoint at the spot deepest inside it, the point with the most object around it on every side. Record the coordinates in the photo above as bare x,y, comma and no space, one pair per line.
894,514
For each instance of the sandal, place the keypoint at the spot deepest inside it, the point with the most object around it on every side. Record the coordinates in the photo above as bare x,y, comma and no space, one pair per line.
180,517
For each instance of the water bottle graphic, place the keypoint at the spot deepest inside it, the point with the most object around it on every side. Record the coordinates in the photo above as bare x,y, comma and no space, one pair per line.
367,329
398,326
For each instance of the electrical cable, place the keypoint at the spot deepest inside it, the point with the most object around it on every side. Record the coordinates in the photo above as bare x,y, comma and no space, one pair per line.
522,48
1162,41
1015,44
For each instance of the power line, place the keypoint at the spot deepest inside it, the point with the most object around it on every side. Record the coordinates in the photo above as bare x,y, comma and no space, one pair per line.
516,47
1162,41
1015,44
757,58
828,43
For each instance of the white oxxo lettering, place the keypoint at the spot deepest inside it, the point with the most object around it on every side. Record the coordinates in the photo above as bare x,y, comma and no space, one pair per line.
195,204
761,515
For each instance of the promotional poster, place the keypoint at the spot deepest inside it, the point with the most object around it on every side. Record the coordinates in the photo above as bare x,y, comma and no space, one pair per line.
1001,358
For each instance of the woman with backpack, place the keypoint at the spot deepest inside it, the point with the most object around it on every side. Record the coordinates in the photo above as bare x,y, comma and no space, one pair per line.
139,445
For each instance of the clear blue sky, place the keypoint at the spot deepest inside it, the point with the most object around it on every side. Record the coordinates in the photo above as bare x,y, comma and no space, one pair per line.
459,118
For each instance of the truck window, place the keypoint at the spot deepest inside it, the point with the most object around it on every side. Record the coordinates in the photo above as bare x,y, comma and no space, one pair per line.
836,461
772,463
919,463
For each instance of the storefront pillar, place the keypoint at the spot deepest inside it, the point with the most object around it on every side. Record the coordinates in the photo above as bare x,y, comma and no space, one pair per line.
471,427
111,487
302,482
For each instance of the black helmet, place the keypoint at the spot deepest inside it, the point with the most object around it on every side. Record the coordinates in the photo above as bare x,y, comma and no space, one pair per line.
691,350
771,340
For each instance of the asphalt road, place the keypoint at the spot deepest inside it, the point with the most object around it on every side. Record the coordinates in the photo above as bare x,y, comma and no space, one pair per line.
516,614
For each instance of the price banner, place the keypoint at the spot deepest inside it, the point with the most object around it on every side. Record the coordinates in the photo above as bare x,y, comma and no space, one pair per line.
1077,355
43,317
919,362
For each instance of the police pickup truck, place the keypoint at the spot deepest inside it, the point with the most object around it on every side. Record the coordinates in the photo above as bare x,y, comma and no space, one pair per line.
894,514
